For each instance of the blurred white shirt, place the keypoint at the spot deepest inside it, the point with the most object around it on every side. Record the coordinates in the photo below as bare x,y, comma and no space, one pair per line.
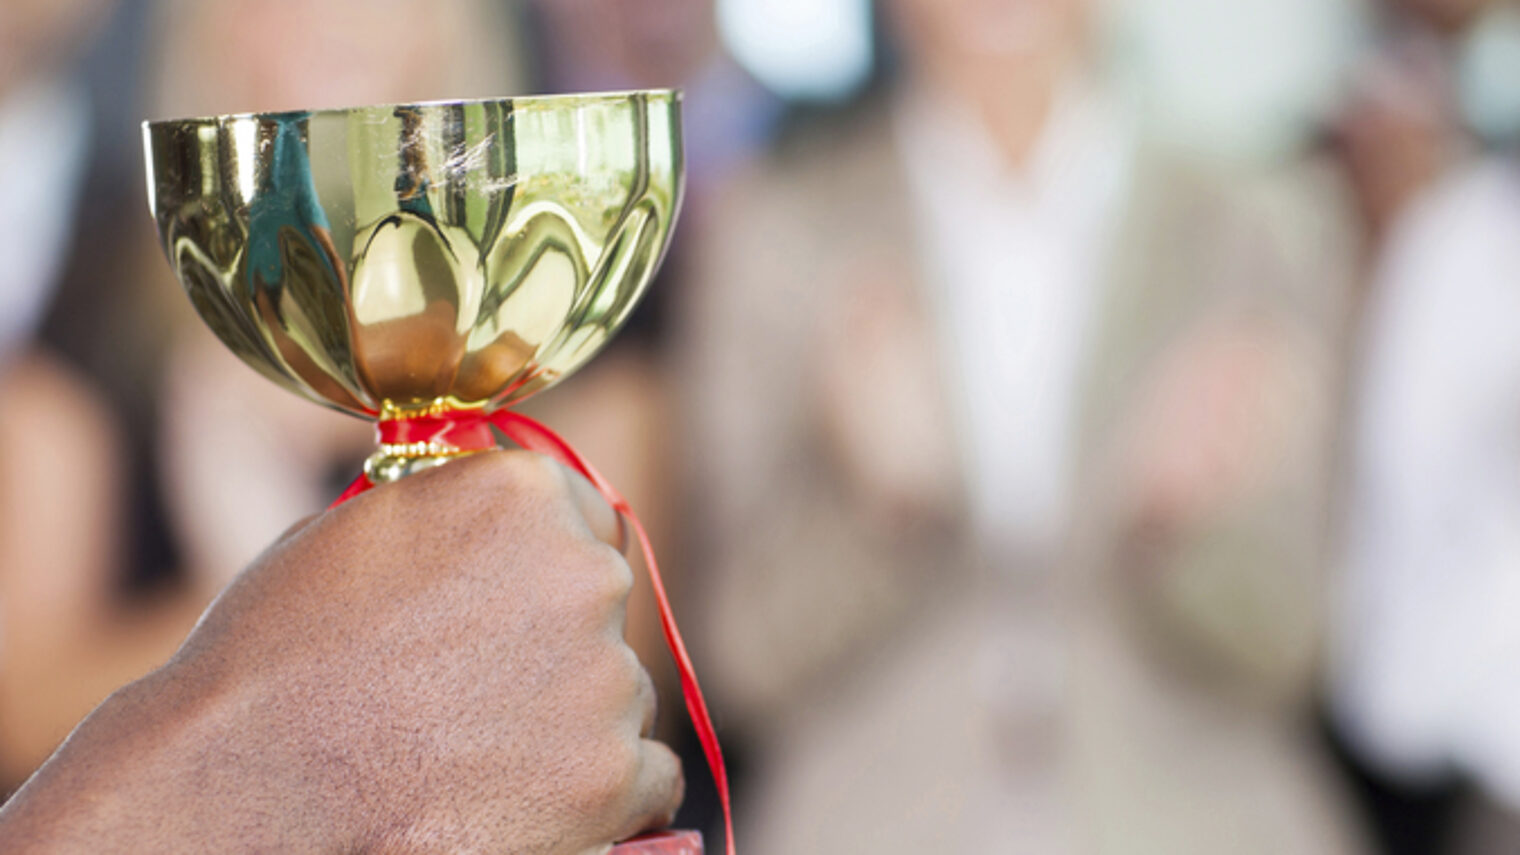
1426,651
1014,262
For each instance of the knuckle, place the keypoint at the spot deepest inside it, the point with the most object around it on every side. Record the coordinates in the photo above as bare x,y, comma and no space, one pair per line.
508,472
534,472
614,571
643,683
676,782
677,795
609,598
610,775
641,675
669,784
620,673
612,672
597,577
629,682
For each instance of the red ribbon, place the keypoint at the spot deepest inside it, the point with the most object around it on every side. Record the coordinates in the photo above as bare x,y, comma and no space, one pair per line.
470,430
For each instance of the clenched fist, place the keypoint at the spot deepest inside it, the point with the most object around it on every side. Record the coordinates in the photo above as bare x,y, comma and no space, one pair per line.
437,665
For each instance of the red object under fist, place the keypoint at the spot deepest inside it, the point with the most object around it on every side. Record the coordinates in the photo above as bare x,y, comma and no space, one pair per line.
662,843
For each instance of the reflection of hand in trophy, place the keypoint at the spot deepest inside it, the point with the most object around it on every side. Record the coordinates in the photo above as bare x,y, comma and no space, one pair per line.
425,266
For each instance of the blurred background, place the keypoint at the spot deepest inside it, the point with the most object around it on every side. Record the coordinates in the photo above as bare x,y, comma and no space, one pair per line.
1082,426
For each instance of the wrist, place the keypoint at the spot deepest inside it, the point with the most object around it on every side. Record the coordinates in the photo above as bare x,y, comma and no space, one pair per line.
177,760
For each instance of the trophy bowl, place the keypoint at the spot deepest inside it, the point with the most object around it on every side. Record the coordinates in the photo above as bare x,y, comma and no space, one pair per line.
404,260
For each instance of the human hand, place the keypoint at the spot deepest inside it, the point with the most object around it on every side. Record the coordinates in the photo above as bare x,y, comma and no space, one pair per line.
436,665
877,390
1229,406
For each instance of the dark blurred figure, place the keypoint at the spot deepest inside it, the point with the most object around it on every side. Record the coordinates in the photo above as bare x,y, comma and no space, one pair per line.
78,614
1400,129
1011,431
1422,690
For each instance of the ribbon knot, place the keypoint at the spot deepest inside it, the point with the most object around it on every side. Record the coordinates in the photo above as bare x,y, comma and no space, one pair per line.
458,431
469,430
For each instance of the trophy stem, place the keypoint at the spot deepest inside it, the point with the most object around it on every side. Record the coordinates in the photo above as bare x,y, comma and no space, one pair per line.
391,462
420,437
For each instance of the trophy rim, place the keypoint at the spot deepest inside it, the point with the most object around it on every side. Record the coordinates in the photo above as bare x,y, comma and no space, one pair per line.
566,99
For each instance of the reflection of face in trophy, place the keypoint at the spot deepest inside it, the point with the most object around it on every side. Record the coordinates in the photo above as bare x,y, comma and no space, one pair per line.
398,261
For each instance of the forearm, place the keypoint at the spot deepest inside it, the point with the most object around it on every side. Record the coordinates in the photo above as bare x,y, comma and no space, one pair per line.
170,763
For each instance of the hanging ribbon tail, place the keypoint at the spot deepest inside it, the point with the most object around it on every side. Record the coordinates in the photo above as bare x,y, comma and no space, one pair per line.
537,437
354,488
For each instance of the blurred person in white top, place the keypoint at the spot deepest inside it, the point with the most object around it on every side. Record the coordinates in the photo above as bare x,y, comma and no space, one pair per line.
1425,658
1017,181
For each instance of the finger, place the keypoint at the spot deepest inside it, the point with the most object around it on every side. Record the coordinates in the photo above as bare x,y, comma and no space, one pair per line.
649,703
295,528
606,524
519,472
658,790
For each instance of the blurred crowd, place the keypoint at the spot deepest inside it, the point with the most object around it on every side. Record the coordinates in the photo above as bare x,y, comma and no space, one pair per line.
1093,427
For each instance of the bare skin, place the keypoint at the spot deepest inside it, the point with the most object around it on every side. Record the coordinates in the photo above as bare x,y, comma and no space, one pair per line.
1005,60
435,666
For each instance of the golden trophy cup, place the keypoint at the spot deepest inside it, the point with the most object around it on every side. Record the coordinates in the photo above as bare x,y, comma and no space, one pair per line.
427,265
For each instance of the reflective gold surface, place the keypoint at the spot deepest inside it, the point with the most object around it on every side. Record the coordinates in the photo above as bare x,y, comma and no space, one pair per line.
398,257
